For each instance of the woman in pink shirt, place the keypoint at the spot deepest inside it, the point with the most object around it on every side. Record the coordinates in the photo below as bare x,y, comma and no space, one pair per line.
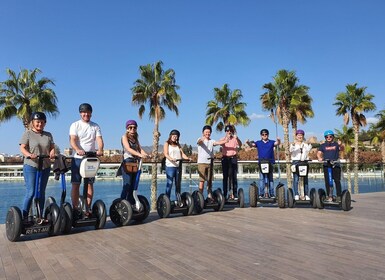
230,161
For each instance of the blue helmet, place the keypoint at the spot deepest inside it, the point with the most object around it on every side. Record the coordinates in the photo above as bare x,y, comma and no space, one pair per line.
328,132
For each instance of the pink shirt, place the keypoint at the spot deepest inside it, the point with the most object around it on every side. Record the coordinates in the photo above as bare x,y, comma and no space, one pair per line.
230,148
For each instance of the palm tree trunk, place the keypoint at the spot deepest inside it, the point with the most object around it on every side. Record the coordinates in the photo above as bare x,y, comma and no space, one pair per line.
356,130
383,156
286,144
154,175
348,175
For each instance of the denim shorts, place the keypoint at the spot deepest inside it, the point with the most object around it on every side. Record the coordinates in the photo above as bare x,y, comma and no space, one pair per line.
76,178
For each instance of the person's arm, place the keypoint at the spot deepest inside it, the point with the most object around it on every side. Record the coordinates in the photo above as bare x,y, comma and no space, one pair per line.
165,152
73,142
224,140
126,145
250,143
24,149
238,140
184,156
320,156
277,142
100,142
52,152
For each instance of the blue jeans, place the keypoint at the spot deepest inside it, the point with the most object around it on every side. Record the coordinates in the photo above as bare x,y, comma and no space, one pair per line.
262,183
172,175
296,179
29,174
128,186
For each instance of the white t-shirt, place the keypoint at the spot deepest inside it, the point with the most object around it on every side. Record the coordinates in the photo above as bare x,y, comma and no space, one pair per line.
296,151
86,133
174,152
205,150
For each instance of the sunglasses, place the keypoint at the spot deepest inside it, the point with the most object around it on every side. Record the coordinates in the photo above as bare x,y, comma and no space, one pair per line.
131,127
264,134
329,136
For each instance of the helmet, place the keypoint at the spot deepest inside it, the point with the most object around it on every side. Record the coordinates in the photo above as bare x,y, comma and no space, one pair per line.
264,131
207,127
131,122
85,107
175,132
38,116
328,132
300,131
229,127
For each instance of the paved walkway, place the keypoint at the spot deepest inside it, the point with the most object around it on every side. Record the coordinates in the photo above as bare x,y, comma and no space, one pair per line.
249,243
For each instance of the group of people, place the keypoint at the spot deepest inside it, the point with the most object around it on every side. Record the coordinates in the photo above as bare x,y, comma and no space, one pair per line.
85,136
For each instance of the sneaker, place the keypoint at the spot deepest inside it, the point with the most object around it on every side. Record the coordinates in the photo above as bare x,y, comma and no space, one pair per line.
307,197
296,197
329,199
338,199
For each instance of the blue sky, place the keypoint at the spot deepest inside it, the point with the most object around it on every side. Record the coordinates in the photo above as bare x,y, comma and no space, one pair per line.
93,50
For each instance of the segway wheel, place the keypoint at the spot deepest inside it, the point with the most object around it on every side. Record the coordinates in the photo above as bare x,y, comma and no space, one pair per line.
52,214
218,196
199,202
146,209
120,212
163,206
99,211
13,224
280,191
290,198
241,198
188,201
346,200
320,198
48,201
67,218
253,195
313,201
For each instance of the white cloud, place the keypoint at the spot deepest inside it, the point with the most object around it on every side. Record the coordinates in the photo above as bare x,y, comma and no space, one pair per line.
372,120
254,116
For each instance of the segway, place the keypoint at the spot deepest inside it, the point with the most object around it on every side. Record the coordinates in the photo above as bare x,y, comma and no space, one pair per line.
50,224
302,169
60,169
265,198
344,204
183,203
97,217
122,211
232,199
217,201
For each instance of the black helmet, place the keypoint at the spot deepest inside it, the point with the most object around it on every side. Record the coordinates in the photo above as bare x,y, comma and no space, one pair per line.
175,132
38,116
85,107
229,127
207,127
264,131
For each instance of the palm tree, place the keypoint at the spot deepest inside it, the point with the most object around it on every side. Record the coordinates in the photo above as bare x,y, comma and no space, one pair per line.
157,89
346,136
277,99
23,94
352,104
300,108
379,137
226,108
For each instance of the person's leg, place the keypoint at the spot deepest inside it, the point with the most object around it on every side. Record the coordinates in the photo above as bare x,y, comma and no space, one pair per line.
337,179
90,194
295,183
225,171
202,177
43,186
306,185
271,184
75,180
261,184
29,174
327,185
209,181
234,169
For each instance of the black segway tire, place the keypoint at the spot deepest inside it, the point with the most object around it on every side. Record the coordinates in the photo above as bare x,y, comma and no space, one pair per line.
13,223
290,198
253,195
199,202
52,214
218,196
188,201
280,192
67,218
146,209
320,197
241,198
120,212
346,200
312,196
163,206
99,211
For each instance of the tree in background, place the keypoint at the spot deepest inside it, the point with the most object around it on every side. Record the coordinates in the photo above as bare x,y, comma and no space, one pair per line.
300,108
379,134
351,104
346,136
278,98
157,89
23,94
226,108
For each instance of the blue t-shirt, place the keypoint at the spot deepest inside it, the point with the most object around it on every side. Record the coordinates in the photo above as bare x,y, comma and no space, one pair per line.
330,150
265,150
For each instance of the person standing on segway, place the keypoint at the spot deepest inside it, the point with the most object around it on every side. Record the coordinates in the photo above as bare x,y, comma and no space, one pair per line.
265,148
229,157
300,152
131,152
35,142
173,152
205,155
84,135
330,150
